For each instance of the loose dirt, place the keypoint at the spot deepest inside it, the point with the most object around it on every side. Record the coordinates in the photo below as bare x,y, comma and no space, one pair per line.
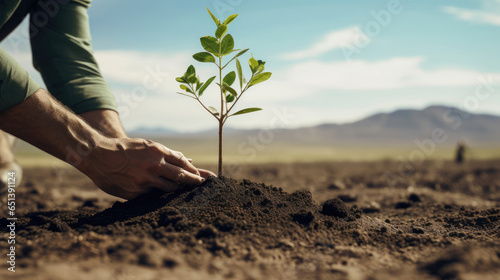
309,221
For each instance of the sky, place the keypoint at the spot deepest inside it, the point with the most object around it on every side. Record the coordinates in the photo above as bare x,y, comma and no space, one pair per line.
332,61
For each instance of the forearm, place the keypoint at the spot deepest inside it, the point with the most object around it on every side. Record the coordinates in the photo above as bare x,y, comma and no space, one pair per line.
43,122
122,167
107,122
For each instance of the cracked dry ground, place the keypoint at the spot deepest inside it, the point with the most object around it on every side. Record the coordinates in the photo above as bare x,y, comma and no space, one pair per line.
441,221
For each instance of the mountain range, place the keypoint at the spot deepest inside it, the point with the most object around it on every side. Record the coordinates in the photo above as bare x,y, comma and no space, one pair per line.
398,128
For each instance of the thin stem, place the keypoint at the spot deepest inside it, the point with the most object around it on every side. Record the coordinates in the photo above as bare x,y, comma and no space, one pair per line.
222,114
220,171
227,63
211,113
198,99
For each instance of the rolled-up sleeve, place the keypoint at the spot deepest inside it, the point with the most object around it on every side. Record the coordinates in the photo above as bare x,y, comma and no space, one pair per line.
62,52
15,83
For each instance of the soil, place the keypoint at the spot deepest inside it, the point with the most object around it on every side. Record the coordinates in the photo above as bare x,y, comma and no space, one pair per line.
343,220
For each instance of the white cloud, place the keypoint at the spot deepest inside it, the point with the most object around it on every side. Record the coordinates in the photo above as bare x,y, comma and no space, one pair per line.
489,14
395,73
126,70
131,67
334,40
303,79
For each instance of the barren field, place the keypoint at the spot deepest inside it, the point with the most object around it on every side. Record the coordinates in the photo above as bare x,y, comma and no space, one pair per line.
382,221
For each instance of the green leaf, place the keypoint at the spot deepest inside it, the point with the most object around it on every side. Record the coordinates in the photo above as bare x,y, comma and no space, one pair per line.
254,64
240,53
229,19
190,71
246,111
257,79
216,20
230,98
213,110
181,80
260,69
210,44
261,66
192,79
198,84
229,78
190,75
205,85
221,30
186,88
222,87
227,45
204,57
240,73
230,89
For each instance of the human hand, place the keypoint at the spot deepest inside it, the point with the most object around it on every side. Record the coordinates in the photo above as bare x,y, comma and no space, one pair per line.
127,167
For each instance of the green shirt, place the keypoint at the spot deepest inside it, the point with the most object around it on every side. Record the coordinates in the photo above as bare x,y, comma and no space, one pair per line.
62,53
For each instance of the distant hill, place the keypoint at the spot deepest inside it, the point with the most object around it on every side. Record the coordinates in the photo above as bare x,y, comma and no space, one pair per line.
398,128
403,127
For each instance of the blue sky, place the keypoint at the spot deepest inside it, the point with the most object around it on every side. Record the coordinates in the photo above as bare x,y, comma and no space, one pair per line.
332,61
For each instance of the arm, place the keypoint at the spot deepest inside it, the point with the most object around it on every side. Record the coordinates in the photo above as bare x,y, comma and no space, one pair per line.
119,166
107,122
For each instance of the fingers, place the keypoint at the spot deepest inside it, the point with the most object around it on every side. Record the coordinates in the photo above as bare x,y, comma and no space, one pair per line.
178,159
179,169
205,173
179,175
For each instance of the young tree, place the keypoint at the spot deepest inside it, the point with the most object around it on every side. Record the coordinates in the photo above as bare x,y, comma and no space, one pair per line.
216,48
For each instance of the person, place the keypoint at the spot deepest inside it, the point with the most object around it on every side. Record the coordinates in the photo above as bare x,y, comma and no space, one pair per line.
460,152
77,121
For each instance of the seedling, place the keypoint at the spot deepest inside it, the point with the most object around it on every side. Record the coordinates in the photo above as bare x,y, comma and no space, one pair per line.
216,48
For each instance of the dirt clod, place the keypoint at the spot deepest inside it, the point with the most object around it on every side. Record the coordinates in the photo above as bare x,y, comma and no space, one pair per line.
402,205
414,198
335,208
417,230
303,217
207,232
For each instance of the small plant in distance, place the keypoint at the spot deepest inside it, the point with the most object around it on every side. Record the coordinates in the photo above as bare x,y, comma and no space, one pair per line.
216,48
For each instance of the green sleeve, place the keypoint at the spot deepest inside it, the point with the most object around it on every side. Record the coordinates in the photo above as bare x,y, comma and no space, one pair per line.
15,82
62,52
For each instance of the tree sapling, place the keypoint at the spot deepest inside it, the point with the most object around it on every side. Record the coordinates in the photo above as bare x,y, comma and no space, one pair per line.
216,48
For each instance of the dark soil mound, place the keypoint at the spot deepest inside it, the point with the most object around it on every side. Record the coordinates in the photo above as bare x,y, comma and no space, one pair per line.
222,216
336,208
223,204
